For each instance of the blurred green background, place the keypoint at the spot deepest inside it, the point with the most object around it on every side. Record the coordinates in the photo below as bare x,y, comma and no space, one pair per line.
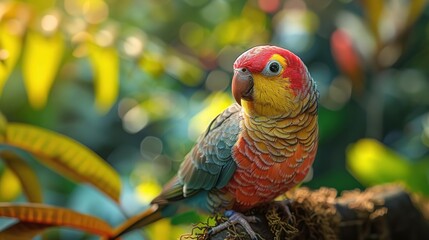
138,81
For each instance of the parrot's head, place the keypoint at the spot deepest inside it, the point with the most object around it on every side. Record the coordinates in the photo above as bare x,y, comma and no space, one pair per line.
270,81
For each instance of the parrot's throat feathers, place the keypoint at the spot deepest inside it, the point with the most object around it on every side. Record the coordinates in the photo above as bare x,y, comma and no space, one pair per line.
276,98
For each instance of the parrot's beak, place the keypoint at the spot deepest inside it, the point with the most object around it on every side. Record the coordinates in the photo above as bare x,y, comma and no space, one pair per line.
242,85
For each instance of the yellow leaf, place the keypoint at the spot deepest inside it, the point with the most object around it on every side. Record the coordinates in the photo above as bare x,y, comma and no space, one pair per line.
10,48
105,64
9,186
374,9
185,69
26,176
152,64
66,156
55,216
93,11
42,57
372,163
415,10
41,5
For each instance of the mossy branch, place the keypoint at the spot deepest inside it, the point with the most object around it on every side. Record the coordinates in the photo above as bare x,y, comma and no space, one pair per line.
382,212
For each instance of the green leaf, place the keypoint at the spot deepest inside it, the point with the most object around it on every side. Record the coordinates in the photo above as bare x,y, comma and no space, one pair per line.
66,156
186,218
29,182
34,213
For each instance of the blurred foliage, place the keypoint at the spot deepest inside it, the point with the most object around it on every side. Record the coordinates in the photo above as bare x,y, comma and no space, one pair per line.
36,218
20,143
137,81
373,163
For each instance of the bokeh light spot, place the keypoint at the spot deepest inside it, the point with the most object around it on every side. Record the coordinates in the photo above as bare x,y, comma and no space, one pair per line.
338,94
49,23
389,55
95,11
269,6
148,190
227,57
217,80
4,54
216,11
191,34
151,147
135,119
16,26
125,105
412,82
133,46
296,29
104,38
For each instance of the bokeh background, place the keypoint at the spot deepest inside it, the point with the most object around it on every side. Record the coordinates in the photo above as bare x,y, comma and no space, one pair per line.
138,81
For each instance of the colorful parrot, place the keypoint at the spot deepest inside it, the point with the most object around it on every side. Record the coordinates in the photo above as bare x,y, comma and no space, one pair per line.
255,150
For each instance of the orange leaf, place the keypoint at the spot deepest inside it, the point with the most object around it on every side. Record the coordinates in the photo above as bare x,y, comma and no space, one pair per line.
22,231
66,156
55,216
28,179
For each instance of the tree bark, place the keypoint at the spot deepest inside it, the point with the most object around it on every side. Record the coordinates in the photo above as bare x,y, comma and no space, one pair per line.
382,212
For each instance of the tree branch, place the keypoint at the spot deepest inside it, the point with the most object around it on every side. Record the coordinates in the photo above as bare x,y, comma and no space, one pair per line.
383,212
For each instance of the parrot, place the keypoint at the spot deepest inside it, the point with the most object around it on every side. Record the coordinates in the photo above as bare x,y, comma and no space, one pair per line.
255,150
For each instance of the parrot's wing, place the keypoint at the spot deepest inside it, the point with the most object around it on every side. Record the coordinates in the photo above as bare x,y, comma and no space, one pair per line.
209,164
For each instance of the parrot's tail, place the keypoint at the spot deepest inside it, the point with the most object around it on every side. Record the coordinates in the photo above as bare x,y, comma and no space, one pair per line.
149,216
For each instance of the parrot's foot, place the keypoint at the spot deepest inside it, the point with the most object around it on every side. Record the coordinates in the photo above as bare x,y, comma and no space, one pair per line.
234,218
285,205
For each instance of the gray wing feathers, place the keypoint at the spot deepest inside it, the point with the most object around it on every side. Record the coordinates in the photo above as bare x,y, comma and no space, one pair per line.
210,164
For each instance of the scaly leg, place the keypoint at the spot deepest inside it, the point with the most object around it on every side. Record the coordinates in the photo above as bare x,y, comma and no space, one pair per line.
285,205
234,218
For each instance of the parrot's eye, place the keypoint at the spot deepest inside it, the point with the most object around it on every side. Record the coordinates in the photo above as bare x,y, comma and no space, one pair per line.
273,68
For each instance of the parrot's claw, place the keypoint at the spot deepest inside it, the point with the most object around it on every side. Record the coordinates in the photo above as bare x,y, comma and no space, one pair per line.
234,218
285,205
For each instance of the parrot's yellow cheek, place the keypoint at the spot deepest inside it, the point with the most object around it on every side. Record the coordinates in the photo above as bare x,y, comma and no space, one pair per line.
271,96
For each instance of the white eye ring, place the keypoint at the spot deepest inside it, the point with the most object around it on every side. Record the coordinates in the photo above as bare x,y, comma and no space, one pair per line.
273,68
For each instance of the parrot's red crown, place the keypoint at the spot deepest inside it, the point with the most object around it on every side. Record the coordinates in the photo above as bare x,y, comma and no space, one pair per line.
256,58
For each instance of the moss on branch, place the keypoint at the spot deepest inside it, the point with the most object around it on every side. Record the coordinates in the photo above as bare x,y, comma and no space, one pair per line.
382,212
